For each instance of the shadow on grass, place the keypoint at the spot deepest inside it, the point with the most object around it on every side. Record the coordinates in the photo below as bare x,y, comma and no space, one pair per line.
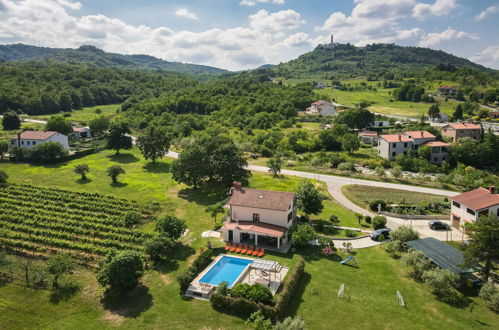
297,297
158,167
124,158
83,181
455,299
181,253
119,184
208,194
131,304
64,292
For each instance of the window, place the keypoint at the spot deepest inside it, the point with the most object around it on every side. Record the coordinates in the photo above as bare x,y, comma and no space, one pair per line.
256,217
470,211
456,204
394,154
405,144
13,142
394,145
443,158
27,142
290,216
405,153
22,142
435,159
34,142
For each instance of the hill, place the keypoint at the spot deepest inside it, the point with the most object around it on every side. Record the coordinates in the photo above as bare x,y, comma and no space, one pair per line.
95,56
345,60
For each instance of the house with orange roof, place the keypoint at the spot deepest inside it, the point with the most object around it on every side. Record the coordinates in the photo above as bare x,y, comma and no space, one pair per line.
323,108
420,137
439,151
259,217
457,131
30,139
391,145
447,90
82,132
471,205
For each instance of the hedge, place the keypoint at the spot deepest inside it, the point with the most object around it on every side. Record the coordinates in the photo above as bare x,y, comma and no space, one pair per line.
245,307
187,276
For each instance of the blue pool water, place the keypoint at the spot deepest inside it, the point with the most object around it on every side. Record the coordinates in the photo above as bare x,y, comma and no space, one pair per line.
226,269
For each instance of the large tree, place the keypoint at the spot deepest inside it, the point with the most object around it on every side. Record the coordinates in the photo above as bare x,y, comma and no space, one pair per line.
190,168
59,124
434,112
170,226
99,125
484,243
119,137
350,143
274,165
154,143
11,121
309,198
58,265
356,118
159,247
121,270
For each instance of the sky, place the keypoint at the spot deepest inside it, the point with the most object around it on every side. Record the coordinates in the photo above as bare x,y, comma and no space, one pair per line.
244,34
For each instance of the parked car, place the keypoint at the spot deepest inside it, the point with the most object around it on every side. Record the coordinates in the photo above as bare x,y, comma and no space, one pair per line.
378,232
437,225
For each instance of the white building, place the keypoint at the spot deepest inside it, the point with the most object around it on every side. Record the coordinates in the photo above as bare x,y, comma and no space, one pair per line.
320,85
323,108
391,145
82,132
30,139
380,123
259,217
471,205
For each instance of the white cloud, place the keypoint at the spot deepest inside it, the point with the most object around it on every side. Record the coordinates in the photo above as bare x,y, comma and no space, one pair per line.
185,13
299,39
278,21
254,2
449,35
70,5
439,8
487,12
488,57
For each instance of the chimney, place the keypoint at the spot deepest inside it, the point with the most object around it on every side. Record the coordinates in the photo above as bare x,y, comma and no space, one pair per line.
236,185
492,189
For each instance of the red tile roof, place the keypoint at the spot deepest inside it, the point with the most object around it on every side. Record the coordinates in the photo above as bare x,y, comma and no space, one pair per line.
368,133
477,199
257,227
463,126
261,199
36,135
79,129
438,144
420,135
395,138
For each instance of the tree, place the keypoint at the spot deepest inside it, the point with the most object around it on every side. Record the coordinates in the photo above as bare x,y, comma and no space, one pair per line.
171,226
334,220
357,118
380,171
396,171
47,151
58,265
82,169
11,121
131,219
99,125
59,124
424,152
290,323
121,270
26,264
378,222
159,247
490,293
257,321
484,243
190,168
4,177
215,210
302,234
274,165
440,281
118,138
404,234
458,112
154,143
350,143
418,262
309,198
4,147
434,112
114,171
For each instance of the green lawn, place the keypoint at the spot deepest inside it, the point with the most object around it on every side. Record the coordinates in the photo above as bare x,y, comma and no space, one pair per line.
85,114
363,195
5,135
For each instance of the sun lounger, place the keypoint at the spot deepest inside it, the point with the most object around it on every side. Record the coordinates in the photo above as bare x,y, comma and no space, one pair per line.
239,248
233,248
244,249
256,251
250,250
262,252
227,246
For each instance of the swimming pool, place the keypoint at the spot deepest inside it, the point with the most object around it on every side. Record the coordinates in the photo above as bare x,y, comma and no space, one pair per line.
226,269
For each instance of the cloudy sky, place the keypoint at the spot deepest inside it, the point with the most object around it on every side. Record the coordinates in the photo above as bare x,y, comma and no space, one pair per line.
242,34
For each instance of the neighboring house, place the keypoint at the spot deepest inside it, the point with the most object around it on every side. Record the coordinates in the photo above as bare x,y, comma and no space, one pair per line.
368,136
320,85
494,115
391,145
471,205
439,151
380,123
420,137
323,108
447,90
30,139
458,131
82,132
259,217
443,118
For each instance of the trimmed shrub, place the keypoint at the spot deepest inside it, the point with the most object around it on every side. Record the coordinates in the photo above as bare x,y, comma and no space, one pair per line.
187,276
404,234
378,222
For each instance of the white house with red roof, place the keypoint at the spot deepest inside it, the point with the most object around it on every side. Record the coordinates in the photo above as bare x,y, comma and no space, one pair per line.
259,217
82,132
391,145
420,137
30,139
471,205
323,108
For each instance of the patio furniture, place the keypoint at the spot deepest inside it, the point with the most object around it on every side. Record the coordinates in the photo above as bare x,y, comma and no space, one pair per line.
239,248
244,249
256,251
227,246
250,250
233,248
262,281
262,252
264,273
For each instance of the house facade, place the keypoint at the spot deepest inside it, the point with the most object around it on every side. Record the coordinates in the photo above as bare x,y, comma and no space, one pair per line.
380,123
457,131
259,217
368,136
471,205
391,145
420,137
447,90
323,108
30,139
82,132
439,151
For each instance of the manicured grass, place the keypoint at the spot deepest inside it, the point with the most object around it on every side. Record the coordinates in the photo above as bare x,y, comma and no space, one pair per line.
6,135
85,114
363,195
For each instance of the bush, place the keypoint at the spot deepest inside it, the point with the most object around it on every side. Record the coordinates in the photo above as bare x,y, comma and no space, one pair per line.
346,166
256,293
440,281
131,219
187,276
393,247
334,220
367,219
223,288
378,222
350,233
302,234
325,241
46,151
404,234
418,262
490,293
373,205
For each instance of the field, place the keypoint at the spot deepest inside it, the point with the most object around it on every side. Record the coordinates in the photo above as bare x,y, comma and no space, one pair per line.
5,135
86,114
363,195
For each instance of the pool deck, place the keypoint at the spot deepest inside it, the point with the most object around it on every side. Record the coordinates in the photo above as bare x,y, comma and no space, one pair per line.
203,291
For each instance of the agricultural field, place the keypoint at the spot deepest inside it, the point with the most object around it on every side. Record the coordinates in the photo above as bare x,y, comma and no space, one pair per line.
86,114
86,225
